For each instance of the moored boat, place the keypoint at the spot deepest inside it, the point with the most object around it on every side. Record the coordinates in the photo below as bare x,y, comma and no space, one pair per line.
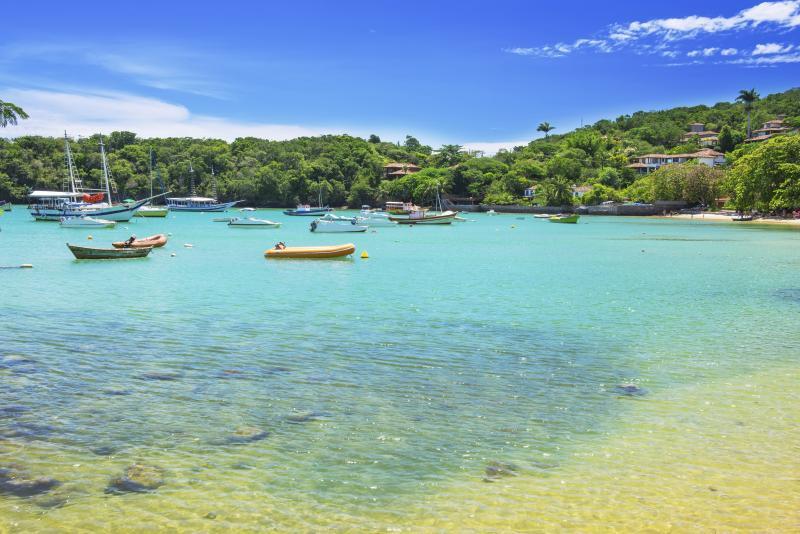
88,253
421,217
312,253
152,211
198,204
153,241
5,205
402,208
375,219
223,219
491,212
569,219
86,222
252,222
542,216
742,218
333,224
304,210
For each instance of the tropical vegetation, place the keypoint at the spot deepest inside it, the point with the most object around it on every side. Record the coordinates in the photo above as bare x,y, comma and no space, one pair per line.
349,170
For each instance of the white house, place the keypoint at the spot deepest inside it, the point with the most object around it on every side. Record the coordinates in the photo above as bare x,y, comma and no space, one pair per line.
651,162
530,191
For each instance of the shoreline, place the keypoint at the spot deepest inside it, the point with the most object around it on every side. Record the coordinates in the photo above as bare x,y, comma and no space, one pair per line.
719,217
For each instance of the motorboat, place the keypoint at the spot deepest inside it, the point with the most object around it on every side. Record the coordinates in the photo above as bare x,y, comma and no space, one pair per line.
87,253
86,222
312,253
402,208
305,210
247,209
568,219
422,217
542,216
223,219
252,222
331,223
742,218
375,219
491,212
153,241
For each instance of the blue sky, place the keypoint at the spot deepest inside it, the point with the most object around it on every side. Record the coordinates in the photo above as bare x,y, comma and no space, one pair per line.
475,73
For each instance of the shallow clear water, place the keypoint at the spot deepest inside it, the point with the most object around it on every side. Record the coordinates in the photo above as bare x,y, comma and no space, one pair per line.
392,388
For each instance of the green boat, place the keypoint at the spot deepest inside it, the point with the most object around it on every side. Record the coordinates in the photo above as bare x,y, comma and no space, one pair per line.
569,219
87,253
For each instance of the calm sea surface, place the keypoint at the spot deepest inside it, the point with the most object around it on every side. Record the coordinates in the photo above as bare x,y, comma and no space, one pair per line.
462,377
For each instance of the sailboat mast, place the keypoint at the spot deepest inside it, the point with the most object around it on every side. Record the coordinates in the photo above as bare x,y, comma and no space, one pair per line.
68,156
191,180
105,170
150,165
213,183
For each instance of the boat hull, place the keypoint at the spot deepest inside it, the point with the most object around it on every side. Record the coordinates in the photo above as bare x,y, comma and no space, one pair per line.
147,211
427,219
253,223
312,253
86,222
331,227
570,219
313,212
153,241
120,213
211,208
86,253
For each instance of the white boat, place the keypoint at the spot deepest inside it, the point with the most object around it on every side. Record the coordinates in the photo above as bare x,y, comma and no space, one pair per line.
252,222
86,222
375,219
542,216
491,212
223,219
247,209
149,210
331,223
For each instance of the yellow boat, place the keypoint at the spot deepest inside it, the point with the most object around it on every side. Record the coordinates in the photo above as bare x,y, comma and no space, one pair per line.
313,253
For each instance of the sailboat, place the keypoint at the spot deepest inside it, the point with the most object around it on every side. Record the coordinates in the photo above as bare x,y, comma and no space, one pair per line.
78,201
305,210
437,216
149,210
195,203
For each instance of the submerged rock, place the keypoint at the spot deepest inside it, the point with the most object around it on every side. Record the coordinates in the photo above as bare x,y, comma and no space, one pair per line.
247,434
165,376
630,390
104,450
303,417
13,410
137,478
497,470
17,482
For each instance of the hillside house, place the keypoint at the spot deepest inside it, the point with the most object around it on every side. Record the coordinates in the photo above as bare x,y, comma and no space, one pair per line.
651,162
396,170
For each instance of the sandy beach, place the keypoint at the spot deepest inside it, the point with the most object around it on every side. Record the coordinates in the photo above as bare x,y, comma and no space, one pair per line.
726,217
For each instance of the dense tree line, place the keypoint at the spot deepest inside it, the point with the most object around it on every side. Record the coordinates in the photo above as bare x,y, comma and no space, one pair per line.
349,170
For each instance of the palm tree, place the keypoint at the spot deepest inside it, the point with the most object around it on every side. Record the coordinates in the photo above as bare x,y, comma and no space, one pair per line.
10,113
546,128
747,98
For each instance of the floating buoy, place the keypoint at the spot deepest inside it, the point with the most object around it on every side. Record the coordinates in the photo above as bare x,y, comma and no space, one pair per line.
172,255
89,238
364,255
188,245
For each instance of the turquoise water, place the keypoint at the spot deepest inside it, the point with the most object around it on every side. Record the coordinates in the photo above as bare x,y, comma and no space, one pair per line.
388,388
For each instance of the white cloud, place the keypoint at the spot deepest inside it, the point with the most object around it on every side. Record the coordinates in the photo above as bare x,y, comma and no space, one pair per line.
91,112
780,15
729,52
771,48
694,53
491,148
768,60
710,51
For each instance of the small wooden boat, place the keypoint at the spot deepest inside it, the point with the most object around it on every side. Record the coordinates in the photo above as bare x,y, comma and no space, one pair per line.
304,210
153,241
542,216
742,218
569,219
491,212
247,209
252,222
312,253
86,253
